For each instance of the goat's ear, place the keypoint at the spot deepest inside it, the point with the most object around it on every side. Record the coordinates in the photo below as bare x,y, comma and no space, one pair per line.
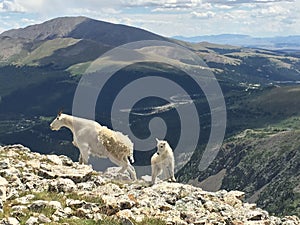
156,139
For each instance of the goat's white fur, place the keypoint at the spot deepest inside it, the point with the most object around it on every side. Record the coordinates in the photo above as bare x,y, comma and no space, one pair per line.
93,139
163,161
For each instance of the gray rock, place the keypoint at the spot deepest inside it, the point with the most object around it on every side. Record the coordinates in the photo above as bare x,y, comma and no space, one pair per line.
68,211
55,159
44,219
62,185
32,221
25,199
78,173
3,188
10,221
86,186
17,208
116,196
74,203
4,164
38,205
55,204
126,221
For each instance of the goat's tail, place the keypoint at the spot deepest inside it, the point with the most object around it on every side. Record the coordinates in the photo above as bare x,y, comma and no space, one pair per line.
131,156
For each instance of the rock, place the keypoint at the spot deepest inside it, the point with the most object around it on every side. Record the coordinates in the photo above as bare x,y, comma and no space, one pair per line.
147,178
98,195
126,221
98,217
25,199
34,163
66,161
68,211
11,221
55,218
3,188
231,199
61,214
55,205
291,220
44,219
55,159
256,215
62,185
86,186
4,164
113,174
125,214
78,174
18,208
38,205
74,204
32,221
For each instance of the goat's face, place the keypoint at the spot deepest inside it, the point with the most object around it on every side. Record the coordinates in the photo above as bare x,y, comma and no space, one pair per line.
57,123
161,146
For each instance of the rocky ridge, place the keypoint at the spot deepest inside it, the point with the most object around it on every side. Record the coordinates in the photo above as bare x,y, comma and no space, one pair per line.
51,189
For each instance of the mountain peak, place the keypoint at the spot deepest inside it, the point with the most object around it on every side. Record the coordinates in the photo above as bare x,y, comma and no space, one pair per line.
82,28
55,28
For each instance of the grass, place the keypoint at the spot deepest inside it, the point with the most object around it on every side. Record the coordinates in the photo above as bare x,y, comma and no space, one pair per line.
47,49
79,69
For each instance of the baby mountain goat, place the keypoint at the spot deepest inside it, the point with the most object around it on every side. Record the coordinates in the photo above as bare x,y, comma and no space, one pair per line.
93,139
163,161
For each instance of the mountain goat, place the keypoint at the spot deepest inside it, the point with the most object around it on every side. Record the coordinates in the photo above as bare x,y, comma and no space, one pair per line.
163,161
93,139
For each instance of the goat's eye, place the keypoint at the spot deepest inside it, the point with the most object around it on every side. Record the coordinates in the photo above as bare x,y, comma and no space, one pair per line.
57,118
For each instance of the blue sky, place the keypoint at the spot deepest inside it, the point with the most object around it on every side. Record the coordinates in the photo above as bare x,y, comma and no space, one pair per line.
258,18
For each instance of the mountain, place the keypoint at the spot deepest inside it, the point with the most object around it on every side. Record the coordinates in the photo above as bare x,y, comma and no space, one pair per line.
274,43
41,65
82,28
52,189
81,38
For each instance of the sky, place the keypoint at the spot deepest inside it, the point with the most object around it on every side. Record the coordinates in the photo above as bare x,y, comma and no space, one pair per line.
259,18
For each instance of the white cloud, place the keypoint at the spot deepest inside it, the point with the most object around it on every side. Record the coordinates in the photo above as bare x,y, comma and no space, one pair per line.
219,6
273,10
204,15
166,17
11,6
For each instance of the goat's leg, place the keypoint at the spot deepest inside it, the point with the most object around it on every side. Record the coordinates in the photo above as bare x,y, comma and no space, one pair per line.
125,165
74,143
80,159
84,154
169,174
172,169
131,171
156,171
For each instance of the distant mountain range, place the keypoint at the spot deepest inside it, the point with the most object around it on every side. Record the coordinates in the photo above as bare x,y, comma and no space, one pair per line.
41,65
275,43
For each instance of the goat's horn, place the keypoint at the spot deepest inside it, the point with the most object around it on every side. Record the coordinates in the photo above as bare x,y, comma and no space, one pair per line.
60,112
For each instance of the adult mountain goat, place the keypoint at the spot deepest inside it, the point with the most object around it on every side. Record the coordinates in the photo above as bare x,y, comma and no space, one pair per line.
93,139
